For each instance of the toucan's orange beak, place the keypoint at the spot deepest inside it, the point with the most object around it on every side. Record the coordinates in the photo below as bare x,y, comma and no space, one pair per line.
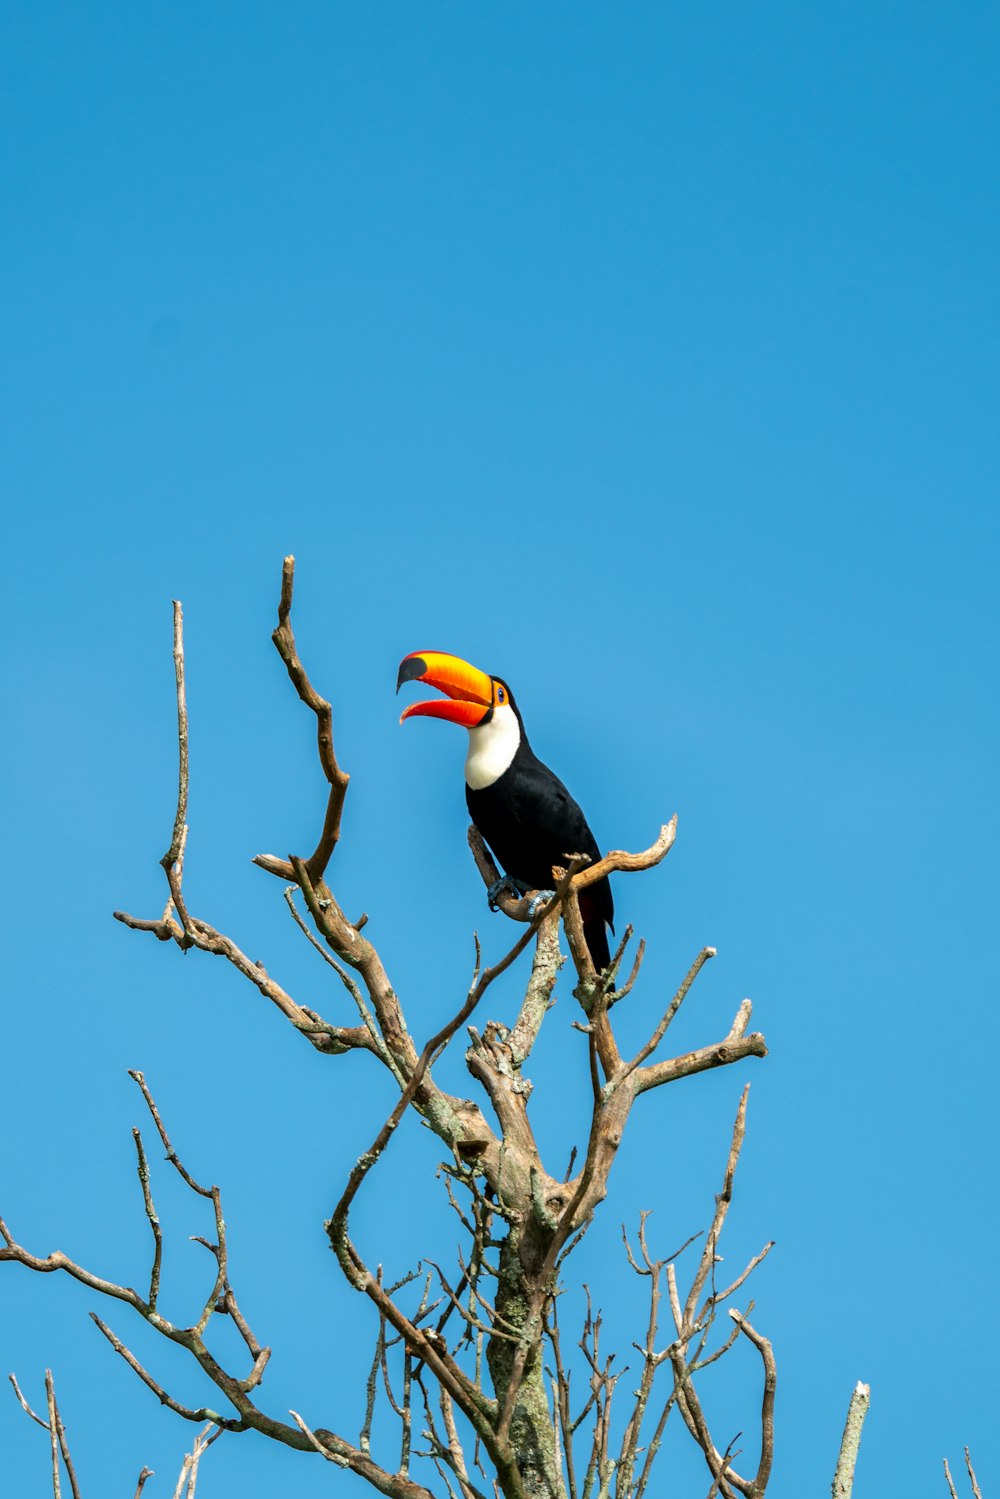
470,690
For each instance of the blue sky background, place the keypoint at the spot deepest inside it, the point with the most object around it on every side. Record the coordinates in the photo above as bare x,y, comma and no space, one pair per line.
648,356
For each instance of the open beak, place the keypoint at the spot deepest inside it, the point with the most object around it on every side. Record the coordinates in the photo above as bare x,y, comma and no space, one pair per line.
470,691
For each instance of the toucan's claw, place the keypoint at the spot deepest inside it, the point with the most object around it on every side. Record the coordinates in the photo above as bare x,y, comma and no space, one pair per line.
513,887
538,900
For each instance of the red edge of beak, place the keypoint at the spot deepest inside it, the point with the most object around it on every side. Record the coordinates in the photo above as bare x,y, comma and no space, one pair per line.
467,714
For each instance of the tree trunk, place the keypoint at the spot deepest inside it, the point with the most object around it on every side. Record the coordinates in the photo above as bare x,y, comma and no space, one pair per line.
533,1434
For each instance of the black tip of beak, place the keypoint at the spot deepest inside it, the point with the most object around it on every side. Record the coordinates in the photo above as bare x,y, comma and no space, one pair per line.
411,669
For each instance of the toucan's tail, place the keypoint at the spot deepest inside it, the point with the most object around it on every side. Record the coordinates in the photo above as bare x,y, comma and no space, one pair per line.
595,930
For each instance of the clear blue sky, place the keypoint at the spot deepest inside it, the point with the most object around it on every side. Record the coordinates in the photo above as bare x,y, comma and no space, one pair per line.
647,355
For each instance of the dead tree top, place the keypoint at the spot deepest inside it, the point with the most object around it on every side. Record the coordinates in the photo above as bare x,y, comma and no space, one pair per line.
500,1165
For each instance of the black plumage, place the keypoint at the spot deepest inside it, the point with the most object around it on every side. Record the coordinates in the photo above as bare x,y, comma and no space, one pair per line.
531,822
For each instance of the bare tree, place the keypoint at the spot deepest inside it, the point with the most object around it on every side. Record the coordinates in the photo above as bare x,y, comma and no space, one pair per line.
474,1354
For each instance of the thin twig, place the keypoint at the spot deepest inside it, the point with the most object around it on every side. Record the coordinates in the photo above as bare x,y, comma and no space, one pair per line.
61,1432
615,995
154,1222
24,1404
722,1202
50,1393
172,1155
331,1457
190,1467
972,1476
670,1012
178,837
203,1413
727,1458
352,988
338,779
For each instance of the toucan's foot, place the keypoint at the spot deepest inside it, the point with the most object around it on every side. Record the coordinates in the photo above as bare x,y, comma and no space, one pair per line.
514,889
538,901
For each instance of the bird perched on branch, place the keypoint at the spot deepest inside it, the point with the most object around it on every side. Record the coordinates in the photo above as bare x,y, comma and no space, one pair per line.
522,809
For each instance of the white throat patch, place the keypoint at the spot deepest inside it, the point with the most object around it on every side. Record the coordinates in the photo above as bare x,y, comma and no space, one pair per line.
492,746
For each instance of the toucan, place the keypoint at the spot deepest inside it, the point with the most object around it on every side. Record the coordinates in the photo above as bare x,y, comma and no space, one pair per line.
520,806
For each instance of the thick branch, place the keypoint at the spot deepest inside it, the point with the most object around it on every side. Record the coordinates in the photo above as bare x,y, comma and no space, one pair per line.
734,1048
843,1478
538,995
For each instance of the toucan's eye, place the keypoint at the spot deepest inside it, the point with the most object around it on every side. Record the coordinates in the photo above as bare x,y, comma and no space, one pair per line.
501,695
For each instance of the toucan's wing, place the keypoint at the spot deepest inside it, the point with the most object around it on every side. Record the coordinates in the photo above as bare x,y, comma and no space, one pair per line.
541,805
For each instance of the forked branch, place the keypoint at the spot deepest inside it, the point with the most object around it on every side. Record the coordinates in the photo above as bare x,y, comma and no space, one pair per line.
58,1443
59,1448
